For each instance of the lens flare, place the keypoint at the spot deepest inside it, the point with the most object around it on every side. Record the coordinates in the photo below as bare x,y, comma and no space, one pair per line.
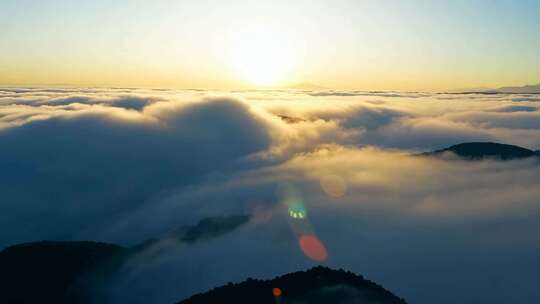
313,248
310,245
297,210
297,215
288,194
333,185
276,292
290,197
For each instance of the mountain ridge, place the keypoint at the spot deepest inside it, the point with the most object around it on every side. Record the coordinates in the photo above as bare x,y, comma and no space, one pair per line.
79,273
485,150
525,89
317,285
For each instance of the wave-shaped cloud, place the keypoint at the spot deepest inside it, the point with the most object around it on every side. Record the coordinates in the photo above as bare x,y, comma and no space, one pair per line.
67,171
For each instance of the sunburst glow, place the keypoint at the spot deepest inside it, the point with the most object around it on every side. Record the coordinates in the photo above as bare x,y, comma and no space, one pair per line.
263,56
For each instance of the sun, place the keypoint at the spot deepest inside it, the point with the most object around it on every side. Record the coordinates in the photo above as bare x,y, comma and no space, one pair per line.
262,56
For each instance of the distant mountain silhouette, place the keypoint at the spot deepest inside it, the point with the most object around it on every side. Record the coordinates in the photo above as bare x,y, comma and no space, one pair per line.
211,227
526,89
207,228
291,119
482,150
315,286
56,272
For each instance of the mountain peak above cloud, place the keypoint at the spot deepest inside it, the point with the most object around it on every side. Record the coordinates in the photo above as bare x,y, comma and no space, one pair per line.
525,89
481,150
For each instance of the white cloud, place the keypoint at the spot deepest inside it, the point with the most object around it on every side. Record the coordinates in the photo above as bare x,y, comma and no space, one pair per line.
124,165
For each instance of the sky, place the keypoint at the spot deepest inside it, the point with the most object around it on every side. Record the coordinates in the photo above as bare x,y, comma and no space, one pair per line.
344,44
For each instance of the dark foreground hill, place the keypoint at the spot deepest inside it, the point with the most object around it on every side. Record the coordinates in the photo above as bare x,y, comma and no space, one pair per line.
80,273
486,150
56,272
319,285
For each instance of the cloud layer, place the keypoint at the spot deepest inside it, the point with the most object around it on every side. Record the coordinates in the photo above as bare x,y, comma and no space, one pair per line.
126,165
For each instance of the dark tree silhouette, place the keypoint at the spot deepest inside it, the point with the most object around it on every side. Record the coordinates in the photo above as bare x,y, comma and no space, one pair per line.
314,286
56,272
483,150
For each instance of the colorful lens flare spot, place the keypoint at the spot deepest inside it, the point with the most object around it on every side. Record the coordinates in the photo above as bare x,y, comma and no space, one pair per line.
313,248
333,185
297,211
297,215
276,292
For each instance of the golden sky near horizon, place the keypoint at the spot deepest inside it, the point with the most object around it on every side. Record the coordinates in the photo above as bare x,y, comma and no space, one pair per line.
374,45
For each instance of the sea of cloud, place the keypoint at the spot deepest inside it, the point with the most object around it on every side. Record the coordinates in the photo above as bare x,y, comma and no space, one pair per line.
124,165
